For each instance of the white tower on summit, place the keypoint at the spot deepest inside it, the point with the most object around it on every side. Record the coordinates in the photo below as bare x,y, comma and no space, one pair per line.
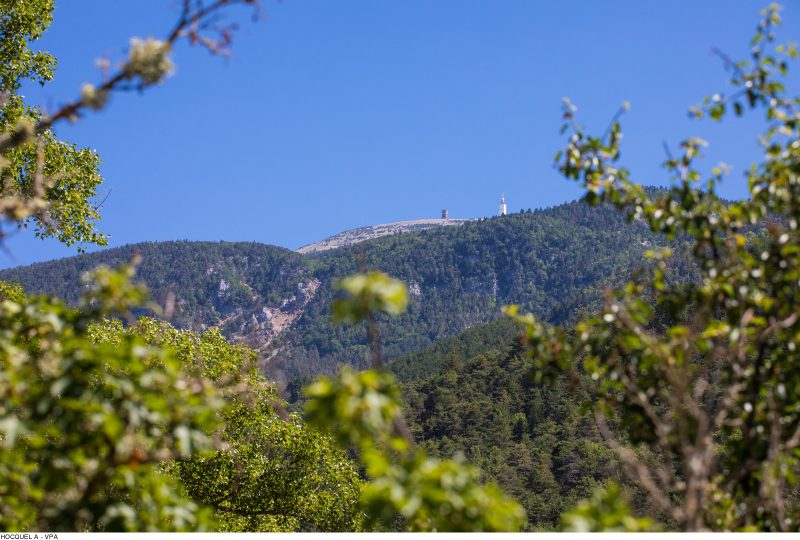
503,204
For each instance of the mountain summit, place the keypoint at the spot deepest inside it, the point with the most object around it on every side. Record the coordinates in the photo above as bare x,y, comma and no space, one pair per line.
361,234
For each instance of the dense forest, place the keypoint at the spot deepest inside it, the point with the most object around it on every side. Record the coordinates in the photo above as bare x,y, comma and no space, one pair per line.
210,280
554,262
534,440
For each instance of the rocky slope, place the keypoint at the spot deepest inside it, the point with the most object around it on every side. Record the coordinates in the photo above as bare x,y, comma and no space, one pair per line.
361,234
253,292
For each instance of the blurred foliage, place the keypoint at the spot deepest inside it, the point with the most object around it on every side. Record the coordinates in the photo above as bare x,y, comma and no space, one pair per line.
371,292
362,410
695,384
12,291
606,511
270,473
87,425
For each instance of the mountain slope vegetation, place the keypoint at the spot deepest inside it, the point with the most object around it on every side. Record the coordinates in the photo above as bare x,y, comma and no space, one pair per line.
534,440
553,262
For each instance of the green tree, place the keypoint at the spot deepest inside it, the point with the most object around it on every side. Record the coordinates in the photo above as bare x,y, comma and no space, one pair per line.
86,424
272,473
49,183
694,383
45,182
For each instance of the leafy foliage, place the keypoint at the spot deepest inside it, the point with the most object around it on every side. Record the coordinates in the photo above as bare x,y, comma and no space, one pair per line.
46,182
368,293
86,425
271,473
606,511
694,384
122,428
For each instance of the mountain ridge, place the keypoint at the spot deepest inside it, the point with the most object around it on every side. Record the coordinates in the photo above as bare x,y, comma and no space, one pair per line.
551,261
369,232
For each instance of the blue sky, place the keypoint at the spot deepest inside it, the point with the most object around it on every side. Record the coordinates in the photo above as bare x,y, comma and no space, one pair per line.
333,114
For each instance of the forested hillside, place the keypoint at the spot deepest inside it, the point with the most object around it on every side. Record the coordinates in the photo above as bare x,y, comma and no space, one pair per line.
476,340
238,286
553,262
534,440
475,394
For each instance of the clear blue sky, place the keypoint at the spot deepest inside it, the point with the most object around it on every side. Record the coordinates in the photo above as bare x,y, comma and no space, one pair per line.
333,114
